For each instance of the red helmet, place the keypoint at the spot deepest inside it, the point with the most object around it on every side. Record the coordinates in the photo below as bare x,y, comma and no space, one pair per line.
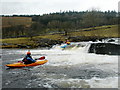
28,53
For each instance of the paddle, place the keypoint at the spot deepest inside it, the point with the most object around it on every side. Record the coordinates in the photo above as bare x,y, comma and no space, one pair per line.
20,61
41,58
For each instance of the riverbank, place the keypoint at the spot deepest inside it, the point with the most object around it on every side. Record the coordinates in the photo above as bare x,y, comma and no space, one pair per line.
48,40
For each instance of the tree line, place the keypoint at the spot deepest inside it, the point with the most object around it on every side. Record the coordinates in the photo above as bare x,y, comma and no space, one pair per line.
61,22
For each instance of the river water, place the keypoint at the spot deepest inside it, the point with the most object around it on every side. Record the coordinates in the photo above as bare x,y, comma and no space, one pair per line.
70,68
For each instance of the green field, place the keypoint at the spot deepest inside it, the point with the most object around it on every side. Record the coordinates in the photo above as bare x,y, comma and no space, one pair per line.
102,32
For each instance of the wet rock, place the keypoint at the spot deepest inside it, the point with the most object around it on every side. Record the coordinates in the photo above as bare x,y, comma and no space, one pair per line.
47,42
111,40
105,48
23,46
83,38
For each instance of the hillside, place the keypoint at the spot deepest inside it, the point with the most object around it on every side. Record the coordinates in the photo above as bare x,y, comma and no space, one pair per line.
59,22
13,21
101,31
108,31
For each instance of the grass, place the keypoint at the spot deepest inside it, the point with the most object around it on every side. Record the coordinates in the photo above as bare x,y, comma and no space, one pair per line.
102,31
17,41
53,37
12,21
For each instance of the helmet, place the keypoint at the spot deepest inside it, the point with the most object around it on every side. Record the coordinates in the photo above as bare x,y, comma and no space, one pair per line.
68,42
28,53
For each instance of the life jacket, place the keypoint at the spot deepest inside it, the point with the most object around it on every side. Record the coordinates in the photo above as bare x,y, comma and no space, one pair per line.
24,60
68,43
28,59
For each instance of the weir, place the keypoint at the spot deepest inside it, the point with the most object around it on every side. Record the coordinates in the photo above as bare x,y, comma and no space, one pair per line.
108,46
105,48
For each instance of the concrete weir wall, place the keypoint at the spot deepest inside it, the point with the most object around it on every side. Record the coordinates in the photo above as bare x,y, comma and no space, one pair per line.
105,48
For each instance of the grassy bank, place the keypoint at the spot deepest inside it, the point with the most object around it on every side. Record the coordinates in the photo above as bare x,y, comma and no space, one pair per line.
102,32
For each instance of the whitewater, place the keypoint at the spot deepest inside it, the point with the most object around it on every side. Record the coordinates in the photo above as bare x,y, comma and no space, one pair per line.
72,67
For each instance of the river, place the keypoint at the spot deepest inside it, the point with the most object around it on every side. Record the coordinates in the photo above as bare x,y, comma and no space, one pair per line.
70,68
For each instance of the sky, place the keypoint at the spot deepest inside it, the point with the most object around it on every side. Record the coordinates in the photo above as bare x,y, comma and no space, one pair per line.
39,7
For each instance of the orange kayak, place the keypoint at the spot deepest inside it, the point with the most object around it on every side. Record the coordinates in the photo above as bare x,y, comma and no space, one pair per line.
20,64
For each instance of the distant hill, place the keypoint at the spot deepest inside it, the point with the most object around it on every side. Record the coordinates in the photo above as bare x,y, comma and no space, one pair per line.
59,22
13,21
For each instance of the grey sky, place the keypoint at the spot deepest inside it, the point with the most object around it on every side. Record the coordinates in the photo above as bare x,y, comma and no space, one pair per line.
10,7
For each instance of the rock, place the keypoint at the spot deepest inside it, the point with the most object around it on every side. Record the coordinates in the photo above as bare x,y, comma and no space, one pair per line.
105,48
47,42
23,46
82,38
111,40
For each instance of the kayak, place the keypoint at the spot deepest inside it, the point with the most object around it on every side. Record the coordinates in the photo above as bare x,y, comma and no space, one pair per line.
68,46
21,64
64,46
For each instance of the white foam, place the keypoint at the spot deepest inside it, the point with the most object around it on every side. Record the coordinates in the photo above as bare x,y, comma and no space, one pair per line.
109,82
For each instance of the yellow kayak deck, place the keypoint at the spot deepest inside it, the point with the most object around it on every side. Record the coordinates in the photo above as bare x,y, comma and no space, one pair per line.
20,64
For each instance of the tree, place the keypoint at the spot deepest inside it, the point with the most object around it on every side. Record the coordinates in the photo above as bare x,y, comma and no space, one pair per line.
67,26
92,18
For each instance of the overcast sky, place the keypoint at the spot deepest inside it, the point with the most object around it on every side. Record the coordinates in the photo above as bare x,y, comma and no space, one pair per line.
10,7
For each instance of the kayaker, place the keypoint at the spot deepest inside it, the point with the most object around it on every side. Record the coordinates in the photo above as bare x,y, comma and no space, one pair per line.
67,42
28,59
